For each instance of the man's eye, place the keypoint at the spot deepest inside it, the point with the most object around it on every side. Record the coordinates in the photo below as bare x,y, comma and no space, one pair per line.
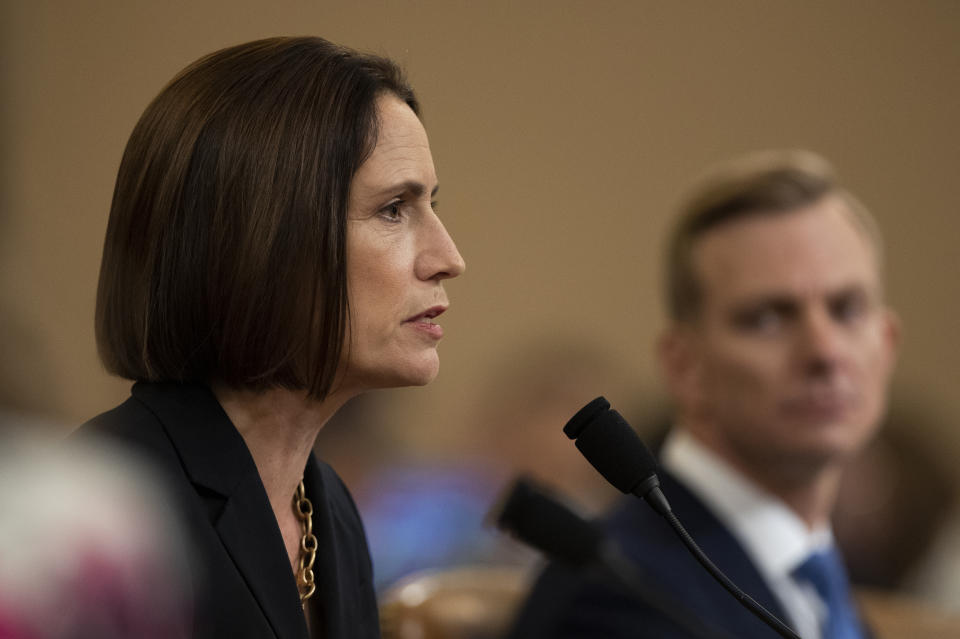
764,320
847,309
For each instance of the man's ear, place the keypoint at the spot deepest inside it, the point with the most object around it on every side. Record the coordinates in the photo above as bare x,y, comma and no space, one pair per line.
892,333
677,352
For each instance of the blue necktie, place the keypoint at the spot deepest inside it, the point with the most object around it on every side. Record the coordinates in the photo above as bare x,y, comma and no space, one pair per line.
825,572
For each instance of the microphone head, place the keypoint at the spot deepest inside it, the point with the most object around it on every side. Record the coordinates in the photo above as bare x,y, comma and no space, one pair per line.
530,514
585,415
612,447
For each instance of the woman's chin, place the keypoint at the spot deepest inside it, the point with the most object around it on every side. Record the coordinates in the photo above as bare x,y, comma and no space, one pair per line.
419,372
423,375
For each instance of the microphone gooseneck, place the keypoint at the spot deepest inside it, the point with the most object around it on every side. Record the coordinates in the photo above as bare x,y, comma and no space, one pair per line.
611,446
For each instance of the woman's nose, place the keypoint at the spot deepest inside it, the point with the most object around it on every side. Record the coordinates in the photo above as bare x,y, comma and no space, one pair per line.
439,259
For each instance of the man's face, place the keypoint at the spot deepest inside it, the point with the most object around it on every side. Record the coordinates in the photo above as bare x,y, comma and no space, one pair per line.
789,361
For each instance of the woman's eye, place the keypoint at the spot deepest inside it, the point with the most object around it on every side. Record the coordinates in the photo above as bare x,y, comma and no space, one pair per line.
392,211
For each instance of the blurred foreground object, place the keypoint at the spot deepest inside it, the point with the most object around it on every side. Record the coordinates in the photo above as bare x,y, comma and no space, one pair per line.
87,548
471,602
477,602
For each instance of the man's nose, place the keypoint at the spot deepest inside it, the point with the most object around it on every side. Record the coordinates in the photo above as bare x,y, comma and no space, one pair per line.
820,342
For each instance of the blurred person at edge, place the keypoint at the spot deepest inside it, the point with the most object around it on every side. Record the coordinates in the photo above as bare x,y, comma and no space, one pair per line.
273,249
89,546
778,354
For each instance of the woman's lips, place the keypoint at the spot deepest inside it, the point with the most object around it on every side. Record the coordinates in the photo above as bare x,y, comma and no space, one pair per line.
422,322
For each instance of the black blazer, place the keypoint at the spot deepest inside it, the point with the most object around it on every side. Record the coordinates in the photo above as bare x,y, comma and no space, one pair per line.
565,603
243,580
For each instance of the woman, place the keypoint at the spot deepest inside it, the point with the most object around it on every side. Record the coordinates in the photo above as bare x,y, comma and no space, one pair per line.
272,251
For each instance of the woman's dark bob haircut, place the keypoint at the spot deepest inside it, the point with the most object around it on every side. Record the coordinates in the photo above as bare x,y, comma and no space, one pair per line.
225,254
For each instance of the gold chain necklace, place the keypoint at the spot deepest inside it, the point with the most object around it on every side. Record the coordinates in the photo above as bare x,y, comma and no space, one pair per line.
308,545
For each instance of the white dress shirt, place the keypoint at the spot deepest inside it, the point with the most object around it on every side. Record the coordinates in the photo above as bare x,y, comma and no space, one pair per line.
772,535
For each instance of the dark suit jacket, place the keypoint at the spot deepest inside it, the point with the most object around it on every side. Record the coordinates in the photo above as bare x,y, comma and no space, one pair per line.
244,584
568,603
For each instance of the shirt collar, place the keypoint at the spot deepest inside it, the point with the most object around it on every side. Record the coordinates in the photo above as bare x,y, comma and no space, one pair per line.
773,535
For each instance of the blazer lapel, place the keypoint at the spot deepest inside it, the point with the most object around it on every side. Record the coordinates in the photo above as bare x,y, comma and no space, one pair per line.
331,558
345,598
216,458
721,546
252,541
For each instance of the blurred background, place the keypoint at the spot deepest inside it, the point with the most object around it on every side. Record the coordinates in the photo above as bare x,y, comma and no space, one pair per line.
564,134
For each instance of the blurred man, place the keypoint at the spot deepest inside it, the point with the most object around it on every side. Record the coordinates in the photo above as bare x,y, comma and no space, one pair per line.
778,354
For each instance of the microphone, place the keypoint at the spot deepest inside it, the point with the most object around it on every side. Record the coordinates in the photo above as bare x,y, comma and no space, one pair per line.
611,446
529,513
542,522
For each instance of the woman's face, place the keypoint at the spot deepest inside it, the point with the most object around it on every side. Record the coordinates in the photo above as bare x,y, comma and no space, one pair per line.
398,254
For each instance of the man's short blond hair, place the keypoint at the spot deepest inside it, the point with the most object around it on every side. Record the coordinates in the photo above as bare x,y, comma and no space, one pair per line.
757,184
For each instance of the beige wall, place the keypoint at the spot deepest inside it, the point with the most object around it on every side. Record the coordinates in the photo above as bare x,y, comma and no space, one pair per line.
563,133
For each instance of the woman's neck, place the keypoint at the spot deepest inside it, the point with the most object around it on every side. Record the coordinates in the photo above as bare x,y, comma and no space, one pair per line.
279,427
